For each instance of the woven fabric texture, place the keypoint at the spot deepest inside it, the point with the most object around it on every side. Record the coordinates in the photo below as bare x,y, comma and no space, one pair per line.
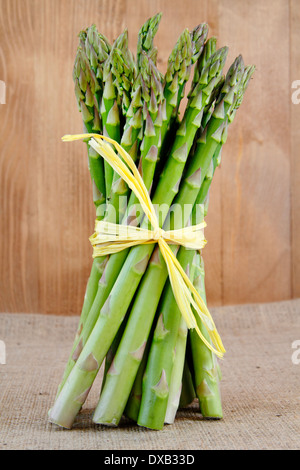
260,387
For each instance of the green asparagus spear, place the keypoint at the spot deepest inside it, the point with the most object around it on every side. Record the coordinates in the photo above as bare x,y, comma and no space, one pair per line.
93,50
175,386
187,392
157,354
157,376
87,89
208,49
134,400
124,72
148,158
135,105
181,145
181,388
67,405
145,38
168,186
114,210
167,353
198,37
115,393
110,104
93,53
178,71
205,366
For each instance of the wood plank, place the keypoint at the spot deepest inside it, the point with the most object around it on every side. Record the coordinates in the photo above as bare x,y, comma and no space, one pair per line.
255,175
295,145
47,213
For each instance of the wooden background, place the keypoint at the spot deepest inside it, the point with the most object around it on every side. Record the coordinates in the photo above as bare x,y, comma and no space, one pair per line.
47,215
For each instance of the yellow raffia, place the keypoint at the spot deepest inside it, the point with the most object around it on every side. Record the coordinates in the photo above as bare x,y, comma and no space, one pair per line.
111,238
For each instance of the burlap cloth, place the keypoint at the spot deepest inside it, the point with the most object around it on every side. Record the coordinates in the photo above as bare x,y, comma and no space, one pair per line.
260,387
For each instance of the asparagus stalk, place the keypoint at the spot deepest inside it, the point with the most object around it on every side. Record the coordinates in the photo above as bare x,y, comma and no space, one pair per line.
181,388
153,115
112,350
118,76
110,104
87,90
113,311
187,387
166,358
205,366
93,50
134,400
184,54
123,72
170,178
181,146
162,353
115,393
133,405
93,53
141,90
158,116
187,391
175,387
198,37
149,156
205,370
148,159
209,48
145,38
109,274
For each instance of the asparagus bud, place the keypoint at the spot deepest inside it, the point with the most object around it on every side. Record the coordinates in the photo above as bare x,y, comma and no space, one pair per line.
145,38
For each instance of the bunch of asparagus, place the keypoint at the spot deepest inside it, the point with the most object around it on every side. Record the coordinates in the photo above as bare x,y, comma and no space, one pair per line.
130,319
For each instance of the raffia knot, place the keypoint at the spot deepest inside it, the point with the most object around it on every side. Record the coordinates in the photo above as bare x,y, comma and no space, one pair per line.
158,233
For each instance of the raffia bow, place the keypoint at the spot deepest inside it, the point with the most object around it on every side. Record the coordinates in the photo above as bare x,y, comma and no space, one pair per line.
111,238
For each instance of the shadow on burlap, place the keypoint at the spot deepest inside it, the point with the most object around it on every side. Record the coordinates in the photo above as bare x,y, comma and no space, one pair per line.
260,387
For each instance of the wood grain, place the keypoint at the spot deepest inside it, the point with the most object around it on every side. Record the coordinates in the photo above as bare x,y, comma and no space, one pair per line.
255,176
295,146
47,215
